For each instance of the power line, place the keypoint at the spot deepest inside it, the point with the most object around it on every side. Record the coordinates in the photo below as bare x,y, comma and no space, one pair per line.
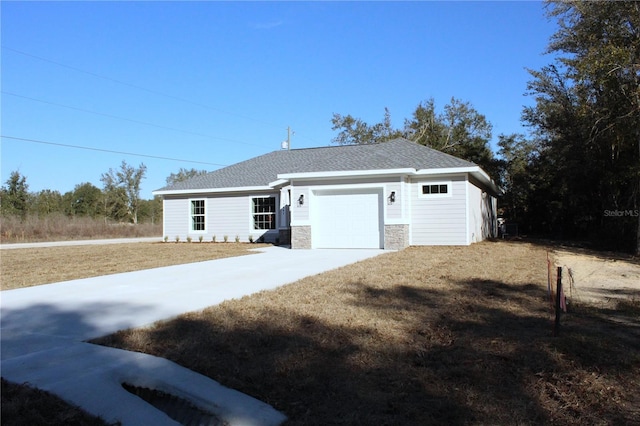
135,86
108,150
125,119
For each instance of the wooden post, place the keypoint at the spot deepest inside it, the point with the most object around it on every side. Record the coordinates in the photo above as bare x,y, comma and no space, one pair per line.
556,328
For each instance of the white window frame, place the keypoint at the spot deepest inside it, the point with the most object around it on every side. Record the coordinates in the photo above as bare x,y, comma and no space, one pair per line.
448,183
192,215
273,214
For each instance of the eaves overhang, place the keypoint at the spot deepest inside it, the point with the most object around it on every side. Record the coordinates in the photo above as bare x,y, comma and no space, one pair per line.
474,171
212,190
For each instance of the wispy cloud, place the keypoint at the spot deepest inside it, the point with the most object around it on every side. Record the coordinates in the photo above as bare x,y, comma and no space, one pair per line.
266,25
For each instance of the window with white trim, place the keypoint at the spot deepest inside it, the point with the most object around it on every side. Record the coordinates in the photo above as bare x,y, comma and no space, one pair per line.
264,212
197,215
436,189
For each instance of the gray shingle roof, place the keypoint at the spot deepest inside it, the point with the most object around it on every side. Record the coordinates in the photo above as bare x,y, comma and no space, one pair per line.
261,170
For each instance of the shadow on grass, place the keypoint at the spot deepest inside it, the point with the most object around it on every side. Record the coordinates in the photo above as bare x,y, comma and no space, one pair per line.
478,352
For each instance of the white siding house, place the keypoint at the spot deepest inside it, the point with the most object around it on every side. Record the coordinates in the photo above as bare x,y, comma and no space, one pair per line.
389,195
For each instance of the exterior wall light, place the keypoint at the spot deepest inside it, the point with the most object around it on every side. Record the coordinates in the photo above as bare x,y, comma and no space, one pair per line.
301,200
392,197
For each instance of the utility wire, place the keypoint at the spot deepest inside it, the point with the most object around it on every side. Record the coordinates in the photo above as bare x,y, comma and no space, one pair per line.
108,150
135,86
125,119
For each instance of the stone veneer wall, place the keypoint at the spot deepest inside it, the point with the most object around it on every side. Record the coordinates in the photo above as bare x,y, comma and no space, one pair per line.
396,237
300,237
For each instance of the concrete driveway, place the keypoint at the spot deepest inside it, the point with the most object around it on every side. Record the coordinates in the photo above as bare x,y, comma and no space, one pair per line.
43,330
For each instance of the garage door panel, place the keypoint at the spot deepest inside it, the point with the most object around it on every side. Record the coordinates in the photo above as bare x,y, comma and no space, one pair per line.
347,220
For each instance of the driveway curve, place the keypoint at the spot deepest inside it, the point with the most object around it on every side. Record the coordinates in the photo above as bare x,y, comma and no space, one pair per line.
44,330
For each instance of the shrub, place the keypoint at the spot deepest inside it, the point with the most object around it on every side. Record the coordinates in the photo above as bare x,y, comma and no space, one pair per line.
189,239
177,238
251,238
213,238
237,238
226,238
166,238
200,238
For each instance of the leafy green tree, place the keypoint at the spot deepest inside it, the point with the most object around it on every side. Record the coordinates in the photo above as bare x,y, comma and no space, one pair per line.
122,191
184,174
85,200
518,156
47,202
355,131
150,210
426,126
587,118
460,130
15,195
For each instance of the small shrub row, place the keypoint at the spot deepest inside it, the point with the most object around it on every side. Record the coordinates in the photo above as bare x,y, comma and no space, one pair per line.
213,239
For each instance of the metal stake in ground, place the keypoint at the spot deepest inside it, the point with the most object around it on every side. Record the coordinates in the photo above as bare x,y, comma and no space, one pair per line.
556,328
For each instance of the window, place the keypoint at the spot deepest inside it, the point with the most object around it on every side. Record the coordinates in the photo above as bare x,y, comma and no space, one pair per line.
264,212
436,189
197,215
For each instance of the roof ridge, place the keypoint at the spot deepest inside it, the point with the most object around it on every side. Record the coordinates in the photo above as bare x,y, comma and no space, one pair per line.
259,171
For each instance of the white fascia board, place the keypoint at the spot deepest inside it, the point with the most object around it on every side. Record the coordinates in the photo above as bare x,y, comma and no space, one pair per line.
213,190
476,171
346,173
449,171
279,182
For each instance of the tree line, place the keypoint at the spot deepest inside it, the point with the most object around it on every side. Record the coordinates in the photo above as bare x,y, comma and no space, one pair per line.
118,200
577,174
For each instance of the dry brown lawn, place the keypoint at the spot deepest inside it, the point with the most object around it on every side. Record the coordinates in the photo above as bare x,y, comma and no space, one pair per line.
429,335
29,267
26,406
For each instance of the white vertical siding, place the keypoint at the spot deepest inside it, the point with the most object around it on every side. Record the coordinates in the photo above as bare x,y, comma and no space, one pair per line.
439,220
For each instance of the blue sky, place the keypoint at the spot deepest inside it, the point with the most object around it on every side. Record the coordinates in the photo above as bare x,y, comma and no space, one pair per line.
220,82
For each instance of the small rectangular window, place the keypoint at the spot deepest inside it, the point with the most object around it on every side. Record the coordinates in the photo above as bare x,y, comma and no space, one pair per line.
197,215
436,189
264,212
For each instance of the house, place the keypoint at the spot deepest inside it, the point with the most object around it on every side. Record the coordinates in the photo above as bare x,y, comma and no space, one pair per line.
388,195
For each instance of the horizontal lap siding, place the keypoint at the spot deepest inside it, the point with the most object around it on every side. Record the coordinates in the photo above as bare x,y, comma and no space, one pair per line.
229,215
476,217
176,218
439,221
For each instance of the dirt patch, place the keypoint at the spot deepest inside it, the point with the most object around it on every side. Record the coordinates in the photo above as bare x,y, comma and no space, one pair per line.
601,279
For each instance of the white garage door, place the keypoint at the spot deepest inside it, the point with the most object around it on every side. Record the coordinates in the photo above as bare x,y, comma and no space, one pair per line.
347,219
